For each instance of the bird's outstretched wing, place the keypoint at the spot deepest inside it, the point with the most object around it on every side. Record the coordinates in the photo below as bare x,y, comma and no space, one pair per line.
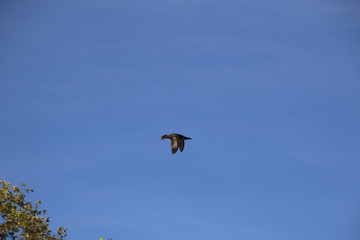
181,144
174,146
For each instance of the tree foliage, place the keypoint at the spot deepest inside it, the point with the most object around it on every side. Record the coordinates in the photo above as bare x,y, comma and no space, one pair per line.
21,219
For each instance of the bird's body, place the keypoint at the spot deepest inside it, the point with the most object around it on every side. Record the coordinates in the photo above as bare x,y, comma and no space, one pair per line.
177,141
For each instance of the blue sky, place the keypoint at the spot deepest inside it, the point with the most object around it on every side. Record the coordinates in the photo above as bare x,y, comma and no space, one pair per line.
268,90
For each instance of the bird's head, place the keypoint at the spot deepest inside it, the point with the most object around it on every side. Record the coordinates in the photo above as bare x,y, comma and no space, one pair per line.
163,137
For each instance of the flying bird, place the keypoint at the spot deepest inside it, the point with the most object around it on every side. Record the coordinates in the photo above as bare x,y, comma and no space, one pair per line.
177,141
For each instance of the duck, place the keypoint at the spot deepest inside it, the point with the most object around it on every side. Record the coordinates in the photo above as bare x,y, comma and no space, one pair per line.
177,141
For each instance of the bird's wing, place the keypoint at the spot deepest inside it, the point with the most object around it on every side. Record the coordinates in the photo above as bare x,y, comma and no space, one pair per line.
181,144
174,146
